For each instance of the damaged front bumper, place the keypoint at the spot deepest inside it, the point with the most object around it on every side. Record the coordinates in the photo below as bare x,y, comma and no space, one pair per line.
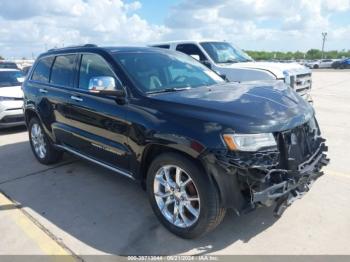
272,177
296,183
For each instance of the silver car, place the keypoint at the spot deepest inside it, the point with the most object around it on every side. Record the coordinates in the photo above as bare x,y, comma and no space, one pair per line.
323,63
11,98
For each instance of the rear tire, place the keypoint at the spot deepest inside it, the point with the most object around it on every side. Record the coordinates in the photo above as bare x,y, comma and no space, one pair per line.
41,145
175,203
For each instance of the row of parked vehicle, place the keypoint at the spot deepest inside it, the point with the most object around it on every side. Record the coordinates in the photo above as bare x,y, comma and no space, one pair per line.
198,132
341,64
329,63
23,65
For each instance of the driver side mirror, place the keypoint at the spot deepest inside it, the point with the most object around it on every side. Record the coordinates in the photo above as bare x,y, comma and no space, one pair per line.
105,85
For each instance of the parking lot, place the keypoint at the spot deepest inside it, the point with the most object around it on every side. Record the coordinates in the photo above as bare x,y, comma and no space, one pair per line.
76,207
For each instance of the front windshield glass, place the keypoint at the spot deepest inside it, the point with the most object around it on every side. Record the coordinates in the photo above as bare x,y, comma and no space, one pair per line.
223,52
11,78
155,72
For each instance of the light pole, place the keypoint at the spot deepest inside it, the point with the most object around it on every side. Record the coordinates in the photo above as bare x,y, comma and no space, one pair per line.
324,36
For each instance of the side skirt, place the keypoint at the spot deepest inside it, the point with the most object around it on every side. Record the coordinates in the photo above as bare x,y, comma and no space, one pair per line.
78,154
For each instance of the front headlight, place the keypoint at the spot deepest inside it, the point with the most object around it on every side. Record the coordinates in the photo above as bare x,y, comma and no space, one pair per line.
249,142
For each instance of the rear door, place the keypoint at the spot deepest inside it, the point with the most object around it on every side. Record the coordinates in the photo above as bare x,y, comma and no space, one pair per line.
49,90
57,93
98,122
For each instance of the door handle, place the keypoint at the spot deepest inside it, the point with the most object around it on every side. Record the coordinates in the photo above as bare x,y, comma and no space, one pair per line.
44,91
76,98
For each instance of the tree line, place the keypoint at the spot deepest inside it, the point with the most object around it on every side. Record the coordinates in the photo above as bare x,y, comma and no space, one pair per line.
310,54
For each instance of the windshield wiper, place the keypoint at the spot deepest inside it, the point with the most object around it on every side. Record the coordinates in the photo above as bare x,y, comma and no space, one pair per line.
172,89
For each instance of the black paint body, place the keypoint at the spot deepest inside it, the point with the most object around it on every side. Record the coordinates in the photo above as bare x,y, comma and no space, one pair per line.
124,132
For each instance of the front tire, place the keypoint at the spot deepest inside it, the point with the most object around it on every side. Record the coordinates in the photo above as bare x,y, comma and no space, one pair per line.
41,145
182,196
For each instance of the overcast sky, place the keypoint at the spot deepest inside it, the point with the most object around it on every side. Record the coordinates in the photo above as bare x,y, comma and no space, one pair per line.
30,26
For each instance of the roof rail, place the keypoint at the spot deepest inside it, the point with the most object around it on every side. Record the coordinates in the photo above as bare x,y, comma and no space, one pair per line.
75,46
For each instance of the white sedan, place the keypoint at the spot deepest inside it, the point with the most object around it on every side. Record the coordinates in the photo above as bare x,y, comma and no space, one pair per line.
323,63
11,98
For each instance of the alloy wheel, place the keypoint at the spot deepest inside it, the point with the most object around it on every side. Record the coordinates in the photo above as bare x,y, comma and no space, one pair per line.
177,196
38,141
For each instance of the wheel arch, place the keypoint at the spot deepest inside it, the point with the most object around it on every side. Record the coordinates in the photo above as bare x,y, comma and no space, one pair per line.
29,113
154,150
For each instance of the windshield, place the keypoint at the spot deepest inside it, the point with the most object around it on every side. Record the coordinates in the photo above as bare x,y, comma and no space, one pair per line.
11,78
166,71
222,52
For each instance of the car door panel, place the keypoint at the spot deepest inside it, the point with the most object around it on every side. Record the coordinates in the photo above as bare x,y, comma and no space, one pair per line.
97,125
97,131
54,108
56,103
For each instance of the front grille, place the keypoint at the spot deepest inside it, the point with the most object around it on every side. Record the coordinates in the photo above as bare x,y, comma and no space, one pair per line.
302,83
298,144
12,119
14,109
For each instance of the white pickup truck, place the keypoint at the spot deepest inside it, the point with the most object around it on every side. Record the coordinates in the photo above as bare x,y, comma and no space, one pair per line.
237,66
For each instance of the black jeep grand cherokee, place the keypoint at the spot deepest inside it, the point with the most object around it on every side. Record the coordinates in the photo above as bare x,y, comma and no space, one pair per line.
199,145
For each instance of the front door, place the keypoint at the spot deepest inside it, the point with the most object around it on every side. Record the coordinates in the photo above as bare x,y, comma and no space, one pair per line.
99,122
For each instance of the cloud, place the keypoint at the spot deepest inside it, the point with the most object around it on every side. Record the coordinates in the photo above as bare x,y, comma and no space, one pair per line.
36,24
336,5
28,26
258,24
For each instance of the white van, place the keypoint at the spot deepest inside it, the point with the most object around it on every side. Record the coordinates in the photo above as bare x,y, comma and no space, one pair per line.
237,66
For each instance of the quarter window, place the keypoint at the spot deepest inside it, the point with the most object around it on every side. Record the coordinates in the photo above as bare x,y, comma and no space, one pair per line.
92,66
63,71
42,70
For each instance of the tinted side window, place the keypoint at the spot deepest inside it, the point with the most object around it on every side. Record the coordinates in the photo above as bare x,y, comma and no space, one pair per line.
91,66
63,70
162,46
191,49
42,70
